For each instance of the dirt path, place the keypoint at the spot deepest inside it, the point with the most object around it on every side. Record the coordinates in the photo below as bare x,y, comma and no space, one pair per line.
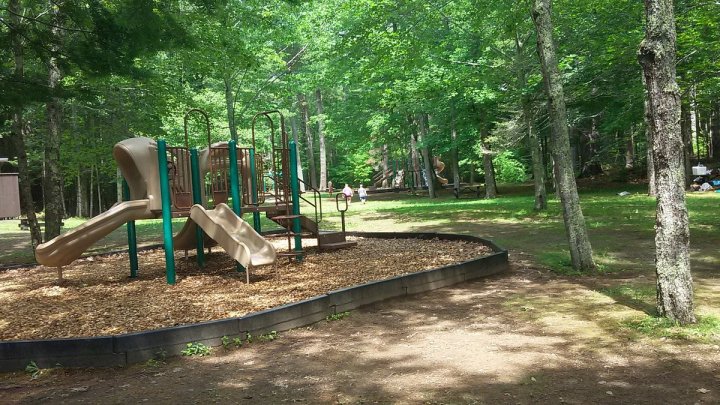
473,343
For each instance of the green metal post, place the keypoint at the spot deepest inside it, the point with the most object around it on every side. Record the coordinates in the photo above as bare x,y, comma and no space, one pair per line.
131,236
234,185
254,190
234,181
295,191
166,213
197,199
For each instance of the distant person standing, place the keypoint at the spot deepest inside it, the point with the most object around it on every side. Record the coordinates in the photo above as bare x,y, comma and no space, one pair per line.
330,187
362,193
348,193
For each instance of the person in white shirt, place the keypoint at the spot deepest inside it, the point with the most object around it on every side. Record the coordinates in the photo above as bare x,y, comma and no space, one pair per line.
362,193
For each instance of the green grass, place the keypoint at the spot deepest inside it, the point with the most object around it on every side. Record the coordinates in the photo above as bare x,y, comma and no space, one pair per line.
558,262
644,293
620,228
706,330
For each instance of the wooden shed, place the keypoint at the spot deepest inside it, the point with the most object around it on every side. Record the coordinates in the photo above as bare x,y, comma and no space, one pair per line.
9,196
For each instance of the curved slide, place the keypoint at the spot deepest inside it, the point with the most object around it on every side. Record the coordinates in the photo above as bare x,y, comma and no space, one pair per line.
186,239
439,167
69,246
235,236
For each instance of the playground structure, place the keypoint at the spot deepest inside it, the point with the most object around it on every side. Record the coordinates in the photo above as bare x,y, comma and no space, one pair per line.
405,176
171,182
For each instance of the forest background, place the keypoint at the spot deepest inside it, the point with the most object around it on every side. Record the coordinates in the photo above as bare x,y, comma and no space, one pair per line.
365,86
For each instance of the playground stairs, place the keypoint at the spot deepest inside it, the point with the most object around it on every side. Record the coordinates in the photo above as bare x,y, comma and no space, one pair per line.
327,240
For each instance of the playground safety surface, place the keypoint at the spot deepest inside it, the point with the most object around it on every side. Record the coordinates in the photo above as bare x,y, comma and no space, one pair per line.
98,298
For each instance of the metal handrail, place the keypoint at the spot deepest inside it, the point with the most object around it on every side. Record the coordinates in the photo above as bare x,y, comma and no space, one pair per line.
316,197
342,212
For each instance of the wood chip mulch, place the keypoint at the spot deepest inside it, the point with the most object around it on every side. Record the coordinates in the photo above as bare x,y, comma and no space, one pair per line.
97,297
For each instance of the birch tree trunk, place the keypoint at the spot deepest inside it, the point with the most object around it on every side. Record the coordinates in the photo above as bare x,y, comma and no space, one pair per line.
414,158
429,170
53,177
385,166
78,195
321,141
118,185
312,172
672,234
18,127
695,124
92,192
580,248
294,128
715,130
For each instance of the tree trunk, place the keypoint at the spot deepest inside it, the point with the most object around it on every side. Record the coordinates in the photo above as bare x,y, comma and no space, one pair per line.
672,233
321,141
294,129
422,138
415,158
99,190
18,127
230,108
53,177
78,195
715,130
538,166
686,135
705,129
630,150
536,153
652,184
92,192
694,132
118,185
580,249
591,166
454,155
385,166
488,168
312,172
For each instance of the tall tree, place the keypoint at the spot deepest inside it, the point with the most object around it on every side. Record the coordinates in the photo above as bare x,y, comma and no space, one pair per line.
672,234
422,125
53,177
19,127
321,140
305,114
488,168
538,166
580,248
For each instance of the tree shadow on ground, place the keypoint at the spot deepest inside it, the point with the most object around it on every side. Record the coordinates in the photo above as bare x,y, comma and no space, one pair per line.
464,344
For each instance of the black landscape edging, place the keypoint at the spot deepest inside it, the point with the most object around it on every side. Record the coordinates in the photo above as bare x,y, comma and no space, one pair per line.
120,350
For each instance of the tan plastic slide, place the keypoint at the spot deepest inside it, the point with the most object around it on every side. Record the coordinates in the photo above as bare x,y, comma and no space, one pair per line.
235,236
439,167
186,238
67,247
